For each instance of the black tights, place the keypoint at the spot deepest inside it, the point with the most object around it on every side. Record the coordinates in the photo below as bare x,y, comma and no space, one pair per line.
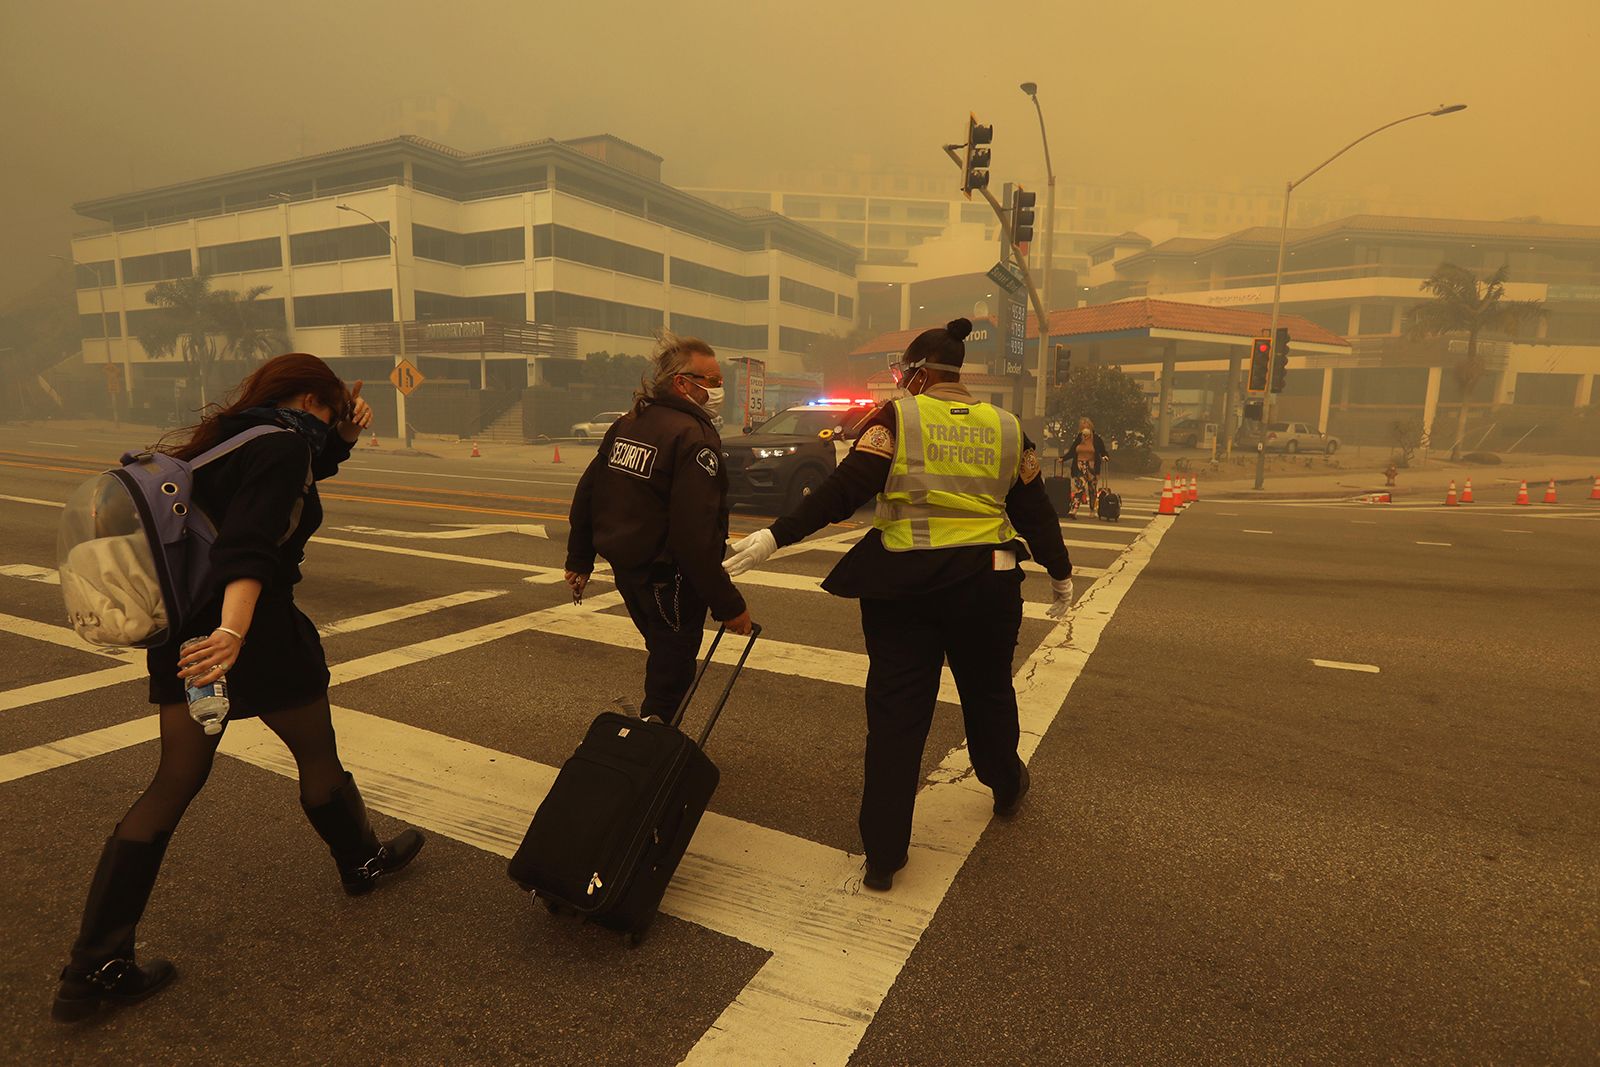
187,754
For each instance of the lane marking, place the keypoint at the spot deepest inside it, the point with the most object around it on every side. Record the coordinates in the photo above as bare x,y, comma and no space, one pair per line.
1256,531
70,687
1436,544
31,573
1517,531
1339,665
1365,522
456,532
461,477
407,611
69,750
546,575
56,444
31,500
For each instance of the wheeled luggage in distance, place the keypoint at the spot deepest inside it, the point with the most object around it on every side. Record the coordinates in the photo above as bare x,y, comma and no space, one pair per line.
613,828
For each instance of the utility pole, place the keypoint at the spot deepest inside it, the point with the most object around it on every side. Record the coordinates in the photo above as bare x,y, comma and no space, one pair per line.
399,319
105,328
1047,253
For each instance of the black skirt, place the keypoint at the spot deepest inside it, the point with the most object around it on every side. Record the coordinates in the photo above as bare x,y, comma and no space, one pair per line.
281,665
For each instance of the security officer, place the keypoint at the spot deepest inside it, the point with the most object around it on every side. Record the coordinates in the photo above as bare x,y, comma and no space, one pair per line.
654,503
938,578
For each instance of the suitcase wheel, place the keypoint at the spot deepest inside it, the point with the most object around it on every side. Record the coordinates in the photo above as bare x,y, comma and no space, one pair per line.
635,938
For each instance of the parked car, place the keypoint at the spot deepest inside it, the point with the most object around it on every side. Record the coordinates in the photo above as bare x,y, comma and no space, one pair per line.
1291,437
597,426
1185,433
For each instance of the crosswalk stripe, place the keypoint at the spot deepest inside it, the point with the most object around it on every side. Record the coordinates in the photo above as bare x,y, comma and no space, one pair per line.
29,572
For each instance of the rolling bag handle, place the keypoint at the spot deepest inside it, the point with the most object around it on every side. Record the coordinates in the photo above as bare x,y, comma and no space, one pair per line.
755,632
683,705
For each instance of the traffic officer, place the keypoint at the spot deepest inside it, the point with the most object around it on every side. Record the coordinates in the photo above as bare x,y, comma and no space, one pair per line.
654,504
938,578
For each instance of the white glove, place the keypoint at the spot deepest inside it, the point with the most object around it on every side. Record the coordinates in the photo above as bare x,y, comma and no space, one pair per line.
1060,598
750,552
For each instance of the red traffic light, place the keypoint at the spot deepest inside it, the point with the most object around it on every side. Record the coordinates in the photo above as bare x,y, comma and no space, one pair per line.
1263,347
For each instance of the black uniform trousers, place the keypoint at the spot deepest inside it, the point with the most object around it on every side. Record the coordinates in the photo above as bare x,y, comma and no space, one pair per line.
671,617
973,624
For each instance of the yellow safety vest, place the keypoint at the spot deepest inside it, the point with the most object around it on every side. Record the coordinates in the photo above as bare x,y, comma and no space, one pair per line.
954,463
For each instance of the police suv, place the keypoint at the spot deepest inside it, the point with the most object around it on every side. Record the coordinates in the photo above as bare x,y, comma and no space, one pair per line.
776,465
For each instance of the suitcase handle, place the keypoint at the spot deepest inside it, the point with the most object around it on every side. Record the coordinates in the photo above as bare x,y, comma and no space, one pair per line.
716,712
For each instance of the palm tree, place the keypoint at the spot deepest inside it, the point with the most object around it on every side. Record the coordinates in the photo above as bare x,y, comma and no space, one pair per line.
202,325
1464,303
249,329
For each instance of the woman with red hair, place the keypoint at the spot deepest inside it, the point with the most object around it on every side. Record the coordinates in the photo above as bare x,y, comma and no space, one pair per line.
263,499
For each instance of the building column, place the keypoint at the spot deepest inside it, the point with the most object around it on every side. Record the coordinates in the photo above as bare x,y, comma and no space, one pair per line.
1585,394
1327,399
905,305
1430,399
1164,419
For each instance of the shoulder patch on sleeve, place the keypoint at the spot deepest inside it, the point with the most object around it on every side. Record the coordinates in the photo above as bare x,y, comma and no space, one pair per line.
707,458
1030,465
877,441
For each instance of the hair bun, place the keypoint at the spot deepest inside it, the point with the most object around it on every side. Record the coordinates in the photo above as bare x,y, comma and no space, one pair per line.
958,329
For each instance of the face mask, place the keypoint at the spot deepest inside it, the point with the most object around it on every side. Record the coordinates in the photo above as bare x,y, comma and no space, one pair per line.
307,425
713,403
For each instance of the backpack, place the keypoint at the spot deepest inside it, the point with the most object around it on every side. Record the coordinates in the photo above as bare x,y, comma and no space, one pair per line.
134,551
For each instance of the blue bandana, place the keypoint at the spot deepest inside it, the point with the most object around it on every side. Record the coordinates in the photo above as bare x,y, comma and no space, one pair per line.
307,425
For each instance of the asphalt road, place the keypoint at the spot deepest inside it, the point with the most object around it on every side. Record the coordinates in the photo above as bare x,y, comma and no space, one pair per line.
1230,854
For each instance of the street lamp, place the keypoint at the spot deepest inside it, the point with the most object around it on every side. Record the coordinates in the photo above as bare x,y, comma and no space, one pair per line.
1283,240
399,319
1049,243
105,333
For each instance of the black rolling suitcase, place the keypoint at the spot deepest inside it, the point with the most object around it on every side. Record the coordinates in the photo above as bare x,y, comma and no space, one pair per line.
1109,506
610,833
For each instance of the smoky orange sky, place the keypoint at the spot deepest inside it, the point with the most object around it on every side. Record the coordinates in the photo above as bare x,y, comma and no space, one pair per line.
99,98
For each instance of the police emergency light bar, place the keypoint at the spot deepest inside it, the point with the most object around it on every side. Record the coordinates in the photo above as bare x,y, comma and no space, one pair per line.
834,400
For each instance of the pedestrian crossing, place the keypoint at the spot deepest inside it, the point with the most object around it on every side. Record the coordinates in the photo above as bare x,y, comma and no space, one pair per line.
835,950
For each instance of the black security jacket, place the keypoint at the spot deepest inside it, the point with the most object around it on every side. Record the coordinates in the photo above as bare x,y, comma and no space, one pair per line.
656,493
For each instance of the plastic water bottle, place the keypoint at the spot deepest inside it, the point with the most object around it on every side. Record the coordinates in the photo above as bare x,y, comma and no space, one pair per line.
208,704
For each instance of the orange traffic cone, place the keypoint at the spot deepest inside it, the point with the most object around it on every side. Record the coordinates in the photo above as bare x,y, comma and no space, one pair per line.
1550,493
374,442
1522,492
1167,505
1466,494
557,457
1450,495
1194,487
475,453
1594,494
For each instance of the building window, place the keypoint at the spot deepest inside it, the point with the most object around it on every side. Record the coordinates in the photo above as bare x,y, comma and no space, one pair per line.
159,267
847,307
808,296
590,313
802,207
928,212
1551,390
579,246
346,242
507,307
439,245
95,275
466,249
687,274
1374,319
342,309
89,326
721,334
798,341
240,256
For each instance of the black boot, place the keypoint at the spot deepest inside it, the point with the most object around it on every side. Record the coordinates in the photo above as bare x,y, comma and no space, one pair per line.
362,858
103,968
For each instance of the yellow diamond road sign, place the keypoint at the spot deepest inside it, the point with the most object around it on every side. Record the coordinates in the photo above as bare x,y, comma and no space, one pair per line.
406,377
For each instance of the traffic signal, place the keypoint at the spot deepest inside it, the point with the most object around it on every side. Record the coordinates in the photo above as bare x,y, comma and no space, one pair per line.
975,165
1280,359
1260,363
1022,218
1063,366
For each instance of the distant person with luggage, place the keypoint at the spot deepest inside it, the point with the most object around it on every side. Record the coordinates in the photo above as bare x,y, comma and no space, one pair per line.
1086,453
938,578
654,504
262,498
